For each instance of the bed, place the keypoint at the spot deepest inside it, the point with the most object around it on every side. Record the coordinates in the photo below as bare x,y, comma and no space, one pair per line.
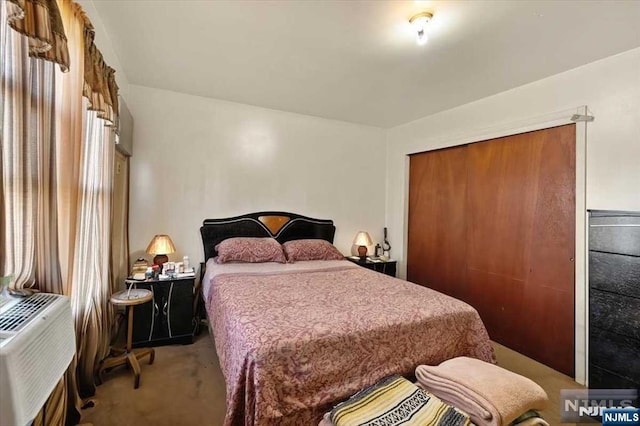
294,339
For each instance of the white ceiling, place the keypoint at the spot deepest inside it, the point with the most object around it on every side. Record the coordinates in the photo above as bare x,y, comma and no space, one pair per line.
357,60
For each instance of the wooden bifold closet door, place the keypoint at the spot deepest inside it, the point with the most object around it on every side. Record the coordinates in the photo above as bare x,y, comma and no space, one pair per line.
493,223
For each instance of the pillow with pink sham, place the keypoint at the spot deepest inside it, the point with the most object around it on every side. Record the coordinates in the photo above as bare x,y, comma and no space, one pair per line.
249,250
311,250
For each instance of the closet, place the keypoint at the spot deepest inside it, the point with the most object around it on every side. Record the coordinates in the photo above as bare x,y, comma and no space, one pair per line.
493,223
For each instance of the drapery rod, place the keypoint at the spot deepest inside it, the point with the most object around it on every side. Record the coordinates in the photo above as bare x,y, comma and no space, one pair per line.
582,117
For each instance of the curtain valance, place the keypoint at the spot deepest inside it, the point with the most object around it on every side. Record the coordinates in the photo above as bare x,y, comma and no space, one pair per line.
99,80
40,22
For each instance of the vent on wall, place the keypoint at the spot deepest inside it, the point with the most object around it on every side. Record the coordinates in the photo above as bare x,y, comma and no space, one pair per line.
124,136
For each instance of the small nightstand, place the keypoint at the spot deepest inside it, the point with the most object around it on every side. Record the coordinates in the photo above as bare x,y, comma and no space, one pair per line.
169,317
387,267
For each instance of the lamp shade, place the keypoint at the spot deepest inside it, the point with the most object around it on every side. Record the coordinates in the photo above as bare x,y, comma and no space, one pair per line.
362,239
161,244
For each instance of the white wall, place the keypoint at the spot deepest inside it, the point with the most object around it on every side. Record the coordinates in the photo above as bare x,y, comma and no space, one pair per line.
197,158
609,87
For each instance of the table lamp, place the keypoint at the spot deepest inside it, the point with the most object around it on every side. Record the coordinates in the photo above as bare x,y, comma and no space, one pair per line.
161,246
362,240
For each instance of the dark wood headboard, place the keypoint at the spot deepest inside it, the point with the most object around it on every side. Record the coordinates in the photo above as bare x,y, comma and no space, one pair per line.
282,226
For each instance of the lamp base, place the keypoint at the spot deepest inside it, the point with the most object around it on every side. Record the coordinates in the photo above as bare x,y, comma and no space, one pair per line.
362,252
159,259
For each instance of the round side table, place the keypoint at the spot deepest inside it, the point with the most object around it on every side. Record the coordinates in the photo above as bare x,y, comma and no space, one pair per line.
120,356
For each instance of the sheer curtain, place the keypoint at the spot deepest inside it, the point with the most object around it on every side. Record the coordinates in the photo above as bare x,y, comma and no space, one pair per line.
28,166
56,164
27,163
91,288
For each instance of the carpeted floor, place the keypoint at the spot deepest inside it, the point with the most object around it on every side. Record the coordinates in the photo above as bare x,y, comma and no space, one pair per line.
551,380
184,386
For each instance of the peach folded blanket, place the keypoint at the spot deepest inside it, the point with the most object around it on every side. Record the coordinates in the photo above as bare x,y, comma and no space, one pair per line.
491,395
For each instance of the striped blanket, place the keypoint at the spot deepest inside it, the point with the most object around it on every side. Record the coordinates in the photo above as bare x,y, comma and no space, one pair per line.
396,401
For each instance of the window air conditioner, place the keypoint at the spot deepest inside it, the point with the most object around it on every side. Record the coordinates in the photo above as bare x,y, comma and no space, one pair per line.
37,344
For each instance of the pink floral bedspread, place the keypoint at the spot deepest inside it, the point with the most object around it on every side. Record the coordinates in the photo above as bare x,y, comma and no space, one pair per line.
294,341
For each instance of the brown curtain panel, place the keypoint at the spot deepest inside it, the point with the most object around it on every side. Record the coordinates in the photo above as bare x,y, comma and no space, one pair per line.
28,165
56,163
70,120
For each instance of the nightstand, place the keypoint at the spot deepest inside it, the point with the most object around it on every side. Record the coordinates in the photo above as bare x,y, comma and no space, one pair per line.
168,318
387,267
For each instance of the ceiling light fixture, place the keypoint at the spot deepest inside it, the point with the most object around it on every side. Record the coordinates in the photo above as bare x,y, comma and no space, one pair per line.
419,23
